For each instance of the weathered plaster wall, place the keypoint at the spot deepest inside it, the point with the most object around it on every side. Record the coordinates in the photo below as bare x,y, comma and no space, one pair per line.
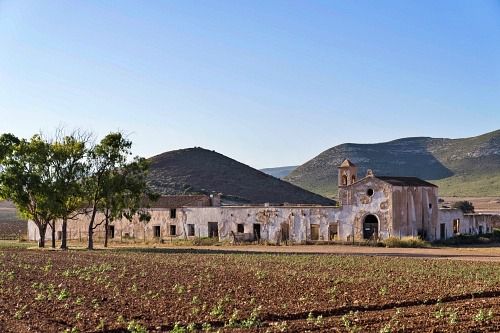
359,204
415,211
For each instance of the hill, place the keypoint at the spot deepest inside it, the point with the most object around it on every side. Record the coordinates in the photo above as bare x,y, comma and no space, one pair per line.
460,167
279,172
197,170
10,224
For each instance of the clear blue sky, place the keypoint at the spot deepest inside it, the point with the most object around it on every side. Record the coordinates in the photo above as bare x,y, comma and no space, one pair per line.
268,83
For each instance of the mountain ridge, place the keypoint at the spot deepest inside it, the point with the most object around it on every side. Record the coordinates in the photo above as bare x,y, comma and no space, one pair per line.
450,163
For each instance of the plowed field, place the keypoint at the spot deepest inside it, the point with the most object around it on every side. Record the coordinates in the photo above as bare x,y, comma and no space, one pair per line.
114,291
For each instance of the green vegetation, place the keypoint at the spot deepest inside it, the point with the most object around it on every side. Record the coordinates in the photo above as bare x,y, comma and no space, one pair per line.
489,238
464,206
61,178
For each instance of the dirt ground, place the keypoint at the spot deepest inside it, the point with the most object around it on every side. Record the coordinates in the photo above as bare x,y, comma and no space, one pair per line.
490,253
195,290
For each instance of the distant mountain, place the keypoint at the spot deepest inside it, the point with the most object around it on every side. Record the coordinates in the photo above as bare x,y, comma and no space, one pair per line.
460,167
197,170
279,172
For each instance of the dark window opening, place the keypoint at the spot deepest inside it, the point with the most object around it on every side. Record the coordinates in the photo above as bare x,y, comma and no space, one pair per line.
344,180
456,226
213,229
240,228
442,231
173,229
353,179
173,213
157,231
430,205
190,229
369,192
111,231
314,232
480,229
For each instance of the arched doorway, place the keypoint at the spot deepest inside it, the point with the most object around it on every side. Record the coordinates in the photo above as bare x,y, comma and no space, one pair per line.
370,227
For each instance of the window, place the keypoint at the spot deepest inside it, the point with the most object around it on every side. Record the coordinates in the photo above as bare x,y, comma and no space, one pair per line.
456,226
111,231
173,230
240,228
430,206
173,213
353,178
157,231
344,180
190,229
369,192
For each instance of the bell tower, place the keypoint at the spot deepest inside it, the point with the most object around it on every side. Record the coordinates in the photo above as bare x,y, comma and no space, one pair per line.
347,173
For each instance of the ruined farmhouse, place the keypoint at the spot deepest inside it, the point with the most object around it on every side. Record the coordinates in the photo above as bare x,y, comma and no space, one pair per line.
371,207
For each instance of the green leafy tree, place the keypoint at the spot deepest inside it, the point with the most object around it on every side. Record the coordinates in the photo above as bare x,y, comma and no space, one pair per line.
104,161
26,179
125,192
69,169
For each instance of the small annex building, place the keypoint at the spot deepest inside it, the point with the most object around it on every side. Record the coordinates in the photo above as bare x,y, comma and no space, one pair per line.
369,208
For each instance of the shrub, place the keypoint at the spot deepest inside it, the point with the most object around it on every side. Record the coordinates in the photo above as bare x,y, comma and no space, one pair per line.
405,242
464,206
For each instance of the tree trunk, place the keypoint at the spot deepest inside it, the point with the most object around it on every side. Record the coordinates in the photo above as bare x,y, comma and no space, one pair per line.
64,231
53,227
42,228
91,228
106,231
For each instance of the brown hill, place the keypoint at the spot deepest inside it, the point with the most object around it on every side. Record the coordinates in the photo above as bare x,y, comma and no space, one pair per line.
197,170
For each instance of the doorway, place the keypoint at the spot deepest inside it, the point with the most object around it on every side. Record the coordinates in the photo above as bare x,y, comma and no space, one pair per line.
370,227
256,231
213,229
285,232
333,231
314,232
442,231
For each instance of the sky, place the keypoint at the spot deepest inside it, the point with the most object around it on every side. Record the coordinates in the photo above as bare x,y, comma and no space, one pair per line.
268,83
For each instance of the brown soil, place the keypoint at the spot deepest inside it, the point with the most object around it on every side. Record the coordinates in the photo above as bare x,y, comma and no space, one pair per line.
51,291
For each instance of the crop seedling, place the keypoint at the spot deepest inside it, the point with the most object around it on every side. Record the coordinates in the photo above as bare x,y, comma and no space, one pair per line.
136,327
483,315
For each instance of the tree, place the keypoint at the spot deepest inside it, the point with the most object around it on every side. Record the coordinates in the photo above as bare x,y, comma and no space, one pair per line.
104,160
125,190
69,168
26,179
465,206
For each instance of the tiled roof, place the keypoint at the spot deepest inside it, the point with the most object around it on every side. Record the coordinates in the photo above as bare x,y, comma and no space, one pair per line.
176,201
405,181
347,163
